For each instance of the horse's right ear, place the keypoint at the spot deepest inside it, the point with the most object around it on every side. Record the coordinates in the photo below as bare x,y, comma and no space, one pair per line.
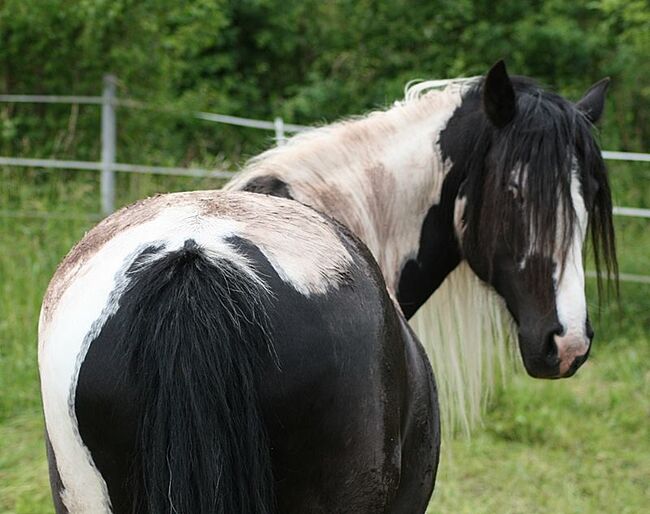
499,100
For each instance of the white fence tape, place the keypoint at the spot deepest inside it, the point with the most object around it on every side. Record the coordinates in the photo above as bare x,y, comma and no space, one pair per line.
248,122
128,168
633,212
623,277
626,156
51,99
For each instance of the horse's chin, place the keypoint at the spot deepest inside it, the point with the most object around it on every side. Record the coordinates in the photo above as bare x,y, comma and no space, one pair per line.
551,368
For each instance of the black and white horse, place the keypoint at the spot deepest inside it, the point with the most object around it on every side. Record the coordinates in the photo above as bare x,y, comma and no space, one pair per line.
236,352
231,353
489,177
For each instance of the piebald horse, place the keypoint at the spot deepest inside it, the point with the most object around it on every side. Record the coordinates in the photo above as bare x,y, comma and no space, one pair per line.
467,188
214,352
240,352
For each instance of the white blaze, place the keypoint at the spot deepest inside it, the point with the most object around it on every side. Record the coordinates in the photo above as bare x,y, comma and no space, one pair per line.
569,277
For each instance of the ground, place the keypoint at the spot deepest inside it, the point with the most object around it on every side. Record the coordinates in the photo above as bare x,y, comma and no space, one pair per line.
580,445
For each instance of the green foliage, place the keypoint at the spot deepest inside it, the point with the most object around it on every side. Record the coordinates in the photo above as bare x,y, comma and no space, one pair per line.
305,60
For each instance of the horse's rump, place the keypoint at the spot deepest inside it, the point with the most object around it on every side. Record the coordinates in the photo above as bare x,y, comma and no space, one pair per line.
168,390
231,352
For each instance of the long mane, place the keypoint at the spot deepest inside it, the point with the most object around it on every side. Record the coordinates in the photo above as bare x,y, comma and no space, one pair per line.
464,326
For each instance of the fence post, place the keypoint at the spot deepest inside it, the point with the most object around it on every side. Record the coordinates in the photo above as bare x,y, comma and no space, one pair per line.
107,182
279,131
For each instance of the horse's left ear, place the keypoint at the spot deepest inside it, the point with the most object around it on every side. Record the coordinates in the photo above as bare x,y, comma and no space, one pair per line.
499,96
593,101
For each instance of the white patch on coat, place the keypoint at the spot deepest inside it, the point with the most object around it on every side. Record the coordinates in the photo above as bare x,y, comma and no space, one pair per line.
569,277
302,247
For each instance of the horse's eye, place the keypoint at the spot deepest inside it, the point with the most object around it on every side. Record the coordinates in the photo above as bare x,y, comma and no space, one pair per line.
514,188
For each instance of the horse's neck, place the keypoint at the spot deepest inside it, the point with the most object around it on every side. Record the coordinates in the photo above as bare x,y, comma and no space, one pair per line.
378,175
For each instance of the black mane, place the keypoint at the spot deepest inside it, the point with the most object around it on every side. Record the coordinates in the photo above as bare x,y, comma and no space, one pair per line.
547,135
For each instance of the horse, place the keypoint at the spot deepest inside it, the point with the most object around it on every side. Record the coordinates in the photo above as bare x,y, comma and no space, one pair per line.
487,182
229,352
318,396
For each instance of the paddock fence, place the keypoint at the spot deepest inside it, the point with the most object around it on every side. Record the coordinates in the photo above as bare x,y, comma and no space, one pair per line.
108,167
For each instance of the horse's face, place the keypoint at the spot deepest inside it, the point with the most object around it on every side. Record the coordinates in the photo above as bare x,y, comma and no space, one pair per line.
544,291
542,178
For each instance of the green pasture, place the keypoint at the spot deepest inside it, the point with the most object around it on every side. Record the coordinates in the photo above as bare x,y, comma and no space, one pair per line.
574,446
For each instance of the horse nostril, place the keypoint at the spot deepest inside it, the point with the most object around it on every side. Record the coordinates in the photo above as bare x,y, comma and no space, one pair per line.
550,348
589,332
579,361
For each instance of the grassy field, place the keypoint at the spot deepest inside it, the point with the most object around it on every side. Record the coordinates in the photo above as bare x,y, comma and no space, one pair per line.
574,446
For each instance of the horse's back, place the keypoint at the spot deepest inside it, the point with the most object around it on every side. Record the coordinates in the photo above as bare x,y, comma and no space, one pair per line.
331,387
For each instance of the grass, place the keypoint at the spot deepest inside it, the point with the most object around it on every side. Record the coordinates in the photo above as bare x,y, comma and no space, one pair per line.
573,446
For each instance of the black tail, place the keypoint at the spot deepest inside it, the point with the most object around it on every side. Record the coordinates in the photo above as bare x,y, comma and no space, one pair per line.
194,341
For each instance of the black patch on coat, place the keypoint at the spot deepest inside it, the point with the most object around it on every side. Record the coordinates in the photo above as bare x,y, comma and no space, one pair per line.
346,397
268,185
439,252
354,386
542,134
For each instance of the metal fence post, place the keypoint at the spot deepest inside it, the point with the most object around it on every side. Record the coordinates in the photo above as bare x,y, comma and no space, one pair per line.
279,130
107,182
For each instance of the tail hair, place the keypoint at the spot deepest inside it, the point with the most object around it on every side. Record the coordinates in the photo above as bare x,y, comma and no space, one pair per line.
194,343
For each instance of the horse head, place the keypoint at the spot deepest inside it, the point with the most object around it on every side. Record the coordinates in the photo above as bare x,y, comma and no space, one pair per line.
532,183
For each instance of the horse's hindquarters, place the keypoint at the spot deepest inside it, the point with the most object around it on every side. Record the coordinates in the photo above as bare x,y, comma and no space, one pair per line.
153,362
